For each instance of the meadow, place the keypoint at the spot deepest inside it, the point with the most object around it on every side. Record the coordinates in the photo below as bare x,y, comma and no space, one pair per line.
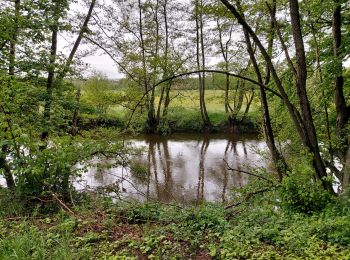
184,111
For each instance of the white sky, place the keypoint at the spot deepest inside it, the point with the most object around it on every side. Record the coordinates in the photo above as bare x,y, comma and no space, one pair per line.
102,62
99,61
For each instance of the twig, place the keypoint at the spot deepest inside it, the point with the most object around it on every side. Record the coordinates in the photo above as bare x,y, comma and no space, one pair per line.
112,57
248,173
62,204
233,205
71,197
248,196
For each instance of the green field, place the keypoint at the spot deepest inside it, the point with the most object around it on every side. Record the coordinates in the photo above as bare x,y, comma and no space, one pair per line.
185,105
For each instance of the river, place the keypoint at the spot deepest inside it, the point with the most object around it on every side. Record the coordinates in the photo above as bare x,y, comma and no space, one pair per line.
183,168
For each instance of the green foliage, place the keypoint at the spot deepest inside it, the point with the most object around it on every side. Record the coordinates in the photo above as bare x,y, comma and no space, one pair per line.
301,193
164,127
104,230
185,119
138,170
26,241
97,93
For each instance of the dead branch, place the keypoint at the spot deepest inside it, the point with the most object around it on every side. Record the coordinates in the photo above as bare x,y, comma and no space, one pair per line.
248,197
62,204
248,173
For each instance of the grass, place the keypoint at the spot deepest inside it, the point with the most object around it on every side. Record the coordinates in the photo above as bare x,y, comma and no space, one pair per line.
100,229
184,113
190,99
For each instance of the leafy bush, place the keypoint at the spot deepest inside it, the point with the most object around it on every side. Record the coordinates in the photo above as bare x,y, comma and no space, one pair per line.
301,193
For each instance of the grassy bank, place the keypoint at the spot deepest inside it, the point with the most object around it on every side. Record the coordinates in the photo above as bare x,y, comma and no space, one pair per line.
100,229
183,115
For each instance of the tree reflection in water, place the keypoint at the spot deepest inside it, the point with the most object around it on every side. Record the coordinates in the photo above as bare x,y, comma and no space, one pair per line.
185,168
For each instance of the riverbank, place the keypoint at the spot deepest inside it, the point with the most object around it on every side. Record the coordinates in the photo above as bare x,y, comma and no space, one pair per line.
182,116
96,228
180,120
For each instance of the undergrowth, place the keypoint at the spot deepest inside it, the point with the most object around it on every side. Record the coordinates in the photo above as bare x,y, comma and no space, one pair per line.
101,229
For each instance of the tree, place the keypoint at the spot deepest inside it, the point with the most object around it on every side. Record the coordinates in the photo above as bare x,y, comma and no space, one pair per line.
97,93
155,55
200,56
303,119
32,105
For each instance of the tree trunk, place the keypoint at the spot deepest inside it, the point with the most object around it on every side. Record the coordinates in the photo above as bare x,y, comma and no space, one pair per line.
149,93
198,57
144,68
83,30
14,39
302,94
201,61
277,158
304,122
167,99
51,72
61,75
224,52
325,103
10,182
342,110
297,120
166,57
74,129
202,96
227,89
152,120
247,107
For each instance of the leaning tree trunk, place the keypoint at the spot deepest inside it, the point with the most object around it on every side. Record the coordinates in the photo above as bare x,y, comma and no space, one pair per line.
302,94
62,74
277,158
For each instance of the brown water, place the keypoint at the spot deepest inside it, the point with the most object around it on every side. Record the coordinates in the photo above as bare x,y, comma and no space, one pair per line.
186,168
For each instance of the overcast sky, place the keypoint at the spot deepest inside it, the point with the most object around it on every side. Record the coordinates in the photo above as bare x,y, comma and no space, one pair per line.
102,62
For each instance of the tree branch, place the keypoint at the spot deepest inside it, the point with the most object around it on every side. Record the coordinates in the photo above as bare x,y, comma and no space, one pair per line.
196,72
83,29
248,196
248,173
114,59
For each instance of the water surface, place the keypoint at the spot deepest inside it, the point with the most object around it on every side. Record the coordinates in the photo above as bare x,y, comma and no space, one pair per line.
186,168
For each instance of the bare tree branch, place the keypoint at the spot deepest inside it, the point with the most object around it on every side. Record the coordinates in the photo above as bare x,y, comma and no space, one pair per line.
196,72
248,196
248,173
83,29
